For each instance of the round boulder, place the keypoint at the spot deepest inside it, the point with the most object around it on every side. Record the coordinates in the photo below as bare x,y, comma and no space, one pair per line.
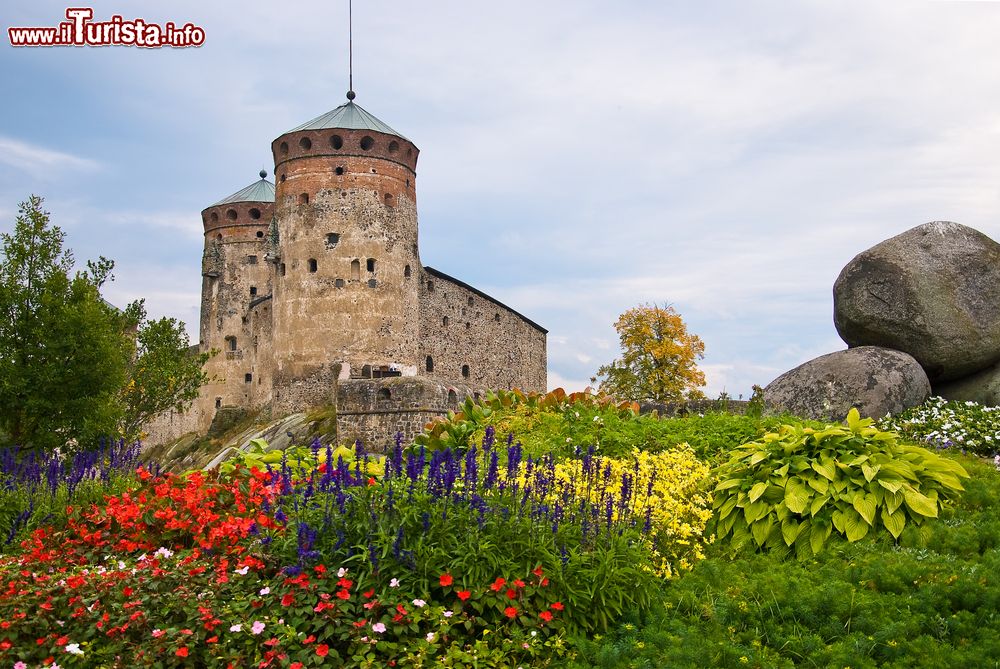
983,387
878,381
932,291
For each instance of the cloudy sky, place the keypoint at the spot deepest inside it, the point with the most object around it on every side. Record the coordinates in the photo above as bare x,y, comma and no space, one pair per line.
577,158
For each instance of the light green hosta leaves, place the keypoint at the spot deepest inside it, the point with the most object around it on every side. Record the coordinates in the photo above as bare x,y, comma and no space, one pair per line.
795,488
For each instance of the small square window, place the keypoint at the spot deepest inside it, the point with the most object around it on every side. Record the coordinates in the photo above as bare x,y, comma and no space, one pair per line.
248,377
251,260
253,291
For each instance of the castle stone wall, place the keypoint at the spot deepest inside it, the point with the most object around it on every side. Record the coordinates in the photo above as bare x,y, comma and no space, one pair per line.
473,340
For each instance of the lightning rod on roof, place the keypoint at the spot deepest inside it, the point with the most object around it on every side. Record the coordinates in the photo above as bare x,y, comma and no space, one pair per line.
350,52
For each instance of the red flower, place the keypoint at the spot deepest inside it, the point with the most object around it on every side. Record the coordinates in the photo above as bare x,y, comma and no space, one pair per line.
322,650
557,606
343,594
519,583
212,639
309,639
464,594
295,665
446,580
319,569
368,594
287,599
498,584
537,571
545,616
371,481
510,612
512,594
182,652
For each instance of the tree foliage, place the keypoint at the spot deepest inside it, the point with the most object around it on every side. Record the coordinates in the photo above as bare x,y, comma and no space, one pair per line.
659,358
71,365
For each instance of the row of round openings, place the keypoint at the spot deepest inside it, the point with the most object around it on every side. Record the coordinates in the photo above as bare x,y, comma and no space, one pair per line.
232,215
336,142
260,235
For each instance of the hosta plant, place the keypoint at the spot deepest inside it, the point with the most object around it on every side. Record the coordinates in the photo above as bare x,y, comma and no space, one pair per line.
794,488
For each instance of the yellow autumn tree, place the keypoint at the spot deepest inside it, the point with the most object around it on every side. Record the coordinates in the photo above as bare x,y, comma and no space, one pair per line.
659,358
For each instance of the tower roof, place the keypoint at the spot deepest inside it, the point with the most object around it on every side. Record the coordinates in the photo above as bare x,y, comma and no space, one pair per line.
349,116
258,191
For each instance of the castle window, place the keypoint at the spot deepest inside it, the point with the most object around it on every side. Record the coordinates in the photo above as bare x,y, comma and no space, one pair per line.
339,283
452,397
429,366
465,371
407,183
283,148
247,378
218,402
312,265
496,317
367,143
332,239
281,268
260,234
214,216
218,237
232,343
231,214
389,200
430,286
372,283
468,325
470,301
444,321
339,171
366,372
406,272
303,198
393,146
384,394
355,269
255,214
282,178
305,143
337,142
253,291
251,260
371,264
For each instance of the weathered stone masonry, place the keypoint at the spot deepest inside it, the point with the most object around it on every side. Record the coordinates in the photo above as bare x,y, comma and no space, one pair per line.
314,294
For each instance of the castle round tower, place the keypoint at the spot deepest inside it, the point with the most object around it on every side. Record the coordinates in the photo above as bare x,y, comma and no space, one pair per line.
236,297
347,265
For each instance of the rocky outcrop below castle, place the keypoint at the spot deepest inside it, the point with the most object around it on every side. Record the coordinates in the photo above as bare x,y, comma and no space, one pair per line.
920,313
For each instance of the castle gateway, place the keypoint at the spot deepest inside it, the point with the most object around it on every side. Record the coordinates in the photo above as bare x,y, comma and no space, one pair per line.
313,293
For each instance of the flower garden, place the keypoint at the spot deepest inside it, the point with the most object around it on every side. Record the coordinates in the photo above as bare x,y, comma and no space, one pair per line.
555,530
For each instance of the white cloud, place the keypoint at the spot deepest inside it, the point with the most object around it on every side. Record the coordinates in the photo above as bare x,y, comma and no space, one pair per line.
41,162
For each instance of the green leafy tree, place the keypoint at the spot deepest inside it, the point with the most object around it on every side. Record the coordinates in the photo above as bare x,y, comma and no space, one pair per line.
70,363
659,358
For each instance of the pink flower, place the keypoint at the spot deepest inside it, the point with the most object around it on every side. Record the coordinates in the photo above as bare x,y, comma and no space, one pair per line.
378,627
20,665
157,633
257,627
236,628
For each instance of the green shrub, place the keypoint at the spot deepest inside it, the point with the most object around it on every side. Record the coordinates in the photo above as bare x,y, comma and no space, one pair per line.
961,425
794,488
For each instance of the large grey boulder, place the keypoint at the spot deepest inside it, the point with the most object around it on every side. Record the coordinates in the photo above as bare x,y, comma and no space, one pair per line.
875,380
933,292
983,387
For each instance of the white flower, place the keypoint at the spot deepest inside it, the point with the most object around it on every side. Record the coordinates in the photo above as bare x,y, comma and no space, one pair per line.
236,628
394,583
265,591
164,552
74,648
419,603
430,637
448,614
242,571
341,573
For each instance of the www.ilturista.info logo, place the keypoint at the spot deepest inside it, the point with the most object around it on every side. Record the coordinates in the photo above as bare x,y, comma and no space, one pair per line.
80,30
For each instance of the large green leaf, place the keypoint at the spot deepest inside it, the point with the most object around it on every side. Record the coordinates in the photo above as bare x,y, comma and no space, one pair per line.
855,525
818,536
757,490
920,503
894,522
826,468
790,529
796,497
890,484
865,505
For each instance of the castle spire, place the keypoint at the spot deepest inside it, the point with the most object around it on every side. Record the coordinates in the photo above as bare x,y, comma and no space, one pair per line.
350,52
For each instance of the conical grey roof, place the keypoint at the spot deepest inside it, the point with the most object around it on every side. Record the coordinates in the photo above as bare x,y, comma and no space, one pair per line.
258,191
348,116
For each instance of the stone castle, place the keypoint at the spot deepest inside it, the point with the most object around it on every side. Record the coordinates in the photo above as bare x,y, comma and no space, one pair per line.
314,294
